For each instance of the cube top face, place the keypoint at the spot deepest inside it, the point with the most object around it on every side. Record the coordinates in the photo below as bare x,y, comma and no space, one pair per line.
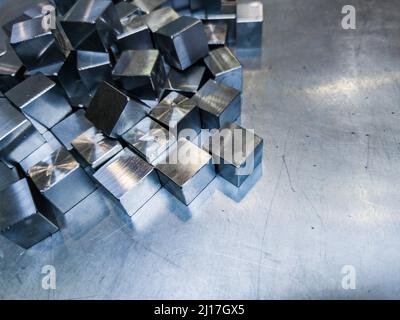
233,144
176,27
87,11
53,169
89,59
161,17
221,61
216,33
148,5
135,25
136,63
122,173
95,148
149,138
30,89
183,161
215,97
16,204
185,81
29,30
11,120
173,108
250,12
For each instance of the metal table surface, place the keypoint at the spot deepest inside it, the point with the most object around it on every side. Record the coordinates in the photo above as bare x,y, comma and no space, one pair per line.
326,101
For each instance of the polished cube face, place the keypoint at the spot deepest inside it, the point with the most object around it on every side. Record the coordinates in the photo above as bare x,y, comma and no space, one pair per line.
186,170
218,104
94,149
186,82
93,68
249,25
20,220
182,42
227,19
126,12
177,113
11,70
61,180
135,35
18,137
114,112
90,25
225,68
129,179
236,152
147,6
141,72
39,98
216,33
161,17
8,176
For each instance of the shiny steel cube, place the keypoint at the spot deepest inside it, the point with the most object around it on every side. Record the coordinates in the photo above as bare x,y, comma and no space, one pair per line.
149,139
178,113
236,152
227,19
225,68
216,33
114,112
91,25
186,170
126,11
218,104
39,98
130,180
249,25
160,17
11,70
141,73
147,6
94,149
61,180
135,35
8,176
185,82
182,42
20,220
93,68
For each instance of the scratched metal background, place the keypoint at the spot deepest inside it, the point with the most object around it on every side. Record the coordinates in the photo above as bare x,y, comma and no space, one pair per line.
327,102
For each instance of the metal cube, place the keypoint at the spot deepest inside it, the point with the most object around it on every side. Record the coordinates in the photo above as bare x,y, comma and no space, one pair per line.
249,24
11,70
225,68
8,176
135,35
20,219
91,25
149,139
160,17
218,104
227,19
39,98
130,180
94,148
178,113
18,137
61,180
37,44
114,112
141,73
186,170
127,11
182,42
147,6
185,82
216,33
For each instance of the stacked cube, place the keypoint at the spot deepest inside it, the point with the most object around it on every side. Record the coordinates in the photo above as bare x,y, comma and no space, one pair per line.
114,94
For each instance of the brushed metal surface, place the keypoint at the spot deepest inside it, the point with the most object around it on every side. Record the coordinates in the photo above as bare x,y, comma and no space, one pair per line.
11,69
187,81
216,33
160,17
148,6
249,22
135,35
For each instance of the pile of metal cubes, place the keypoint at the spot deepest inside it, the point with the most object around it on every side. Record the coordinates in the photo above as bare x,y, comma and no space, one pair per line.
103,94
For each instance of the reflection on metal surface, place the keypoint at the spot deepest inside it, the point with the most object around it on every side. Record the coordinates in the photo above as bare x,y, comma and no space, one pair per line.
161,17
249,24
187,81
218,104
186,170
11,69
129,179
148,6
7,176
135,35
216,33
227,19
149,139
61,180
126,11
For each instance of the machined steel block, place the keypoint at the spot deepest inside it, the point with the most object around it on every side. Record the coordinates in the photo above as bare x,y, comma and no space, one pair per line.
218,104
21,221
71,127
39,98
114,112
227,19
8,176
216,33
141,73
182,42
147,6
160,17
37,43
185,82
61,180
130,180
149,139
186,170
18,137
225,68
127,11
249,24
11,70
51,71
91,25
93,148
177,113
94,68
236,152
135,35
